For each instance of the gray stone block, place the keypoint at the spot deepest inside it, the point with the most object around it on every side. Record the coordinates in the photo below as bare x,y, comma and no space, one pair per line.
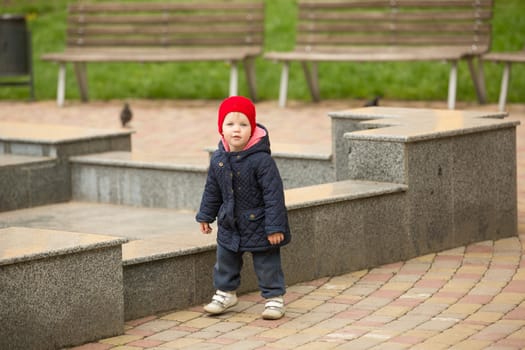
374,161
59,140
118,178
167,284
59,288
335,238
31,181
459,166
300,171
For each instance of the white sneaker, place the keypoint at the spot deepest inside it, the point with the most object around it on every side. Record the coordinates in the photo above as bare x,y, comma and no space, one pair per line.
274,308
220,302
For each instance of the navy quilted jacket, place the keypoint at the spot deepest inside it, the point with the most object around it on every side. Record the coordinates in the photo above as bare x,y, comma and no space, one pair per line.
244,191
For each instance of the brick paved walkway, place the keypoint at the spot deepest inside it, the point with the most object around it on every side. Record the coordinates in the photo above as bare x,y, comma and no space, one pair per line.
471,297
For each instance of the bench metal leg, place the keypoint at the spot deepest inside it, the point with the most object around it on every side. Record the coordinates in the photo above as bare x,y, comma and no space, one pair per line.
61,87
283,89
249,68
30,65
504,86
234,78
312,80
80,72
478,79
452,84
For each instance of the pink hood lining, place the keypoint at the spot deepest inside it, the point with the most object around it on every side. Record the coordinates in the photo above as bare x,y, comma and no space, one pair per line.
258,134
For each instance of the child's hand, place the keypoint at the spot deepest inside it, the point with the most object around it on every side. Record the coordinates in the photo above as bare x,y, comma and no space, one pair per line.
205,227
276,238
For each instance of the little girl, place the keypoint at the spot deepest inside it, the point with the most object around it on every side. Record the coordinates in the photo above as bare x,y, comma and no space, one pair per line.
244,191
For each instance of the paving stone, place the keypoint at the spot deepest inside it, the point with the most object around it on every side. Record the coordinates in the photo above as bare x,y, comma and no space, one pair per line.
330,307
306,304
93,346
244,332
244,345
245,317
317,345
437,324
294,340
157,325
182,316
373,303
393,311
121,339
182,343
488,317
278,333
471,344
201,322
168,335
307,320
145,343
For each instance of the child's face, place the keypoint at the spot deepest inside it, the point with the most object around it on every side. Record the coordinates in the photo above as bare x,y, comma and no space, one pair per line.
236,130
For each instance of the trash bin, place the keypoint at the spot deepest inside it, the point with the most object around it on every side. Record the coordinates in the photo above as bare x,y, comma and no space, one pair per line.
15,52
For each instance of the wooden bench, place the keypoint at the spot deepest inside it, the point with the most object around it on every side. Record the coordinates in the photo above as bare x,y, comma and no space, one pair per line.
507,58
230,31
387,31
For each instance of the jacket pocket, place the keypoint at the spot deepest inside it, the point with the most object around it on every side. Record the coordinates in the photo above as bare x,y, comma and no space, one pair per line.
252,221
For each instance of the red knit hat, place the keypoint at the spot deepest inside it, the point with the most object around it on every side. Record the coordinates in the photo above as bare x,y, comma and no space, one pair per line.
237,104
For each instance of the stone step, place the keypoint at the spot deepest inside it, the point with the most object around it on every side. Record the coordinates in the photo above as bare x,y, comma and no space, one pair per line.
34,163
30,181
66,287
60,141
136,179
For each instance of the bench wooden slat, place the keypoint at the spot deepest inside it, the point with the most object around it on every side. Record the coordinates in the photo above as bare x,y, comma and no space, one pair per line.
327,39
400,16
153,54
168,6
370,54
163,41
393,3
165,18
398,28
130,30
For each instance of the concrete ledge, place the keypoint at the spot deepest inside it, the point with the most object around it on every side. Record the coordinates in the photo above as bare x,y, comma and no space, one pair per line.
335,192
142,161
176,281
397,126
413,124
59,288
137,179
59,140
31,181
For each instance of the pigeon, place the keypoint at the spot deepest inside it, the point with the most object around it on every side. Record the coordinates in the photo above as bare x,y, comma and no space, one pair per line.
372,103
125,115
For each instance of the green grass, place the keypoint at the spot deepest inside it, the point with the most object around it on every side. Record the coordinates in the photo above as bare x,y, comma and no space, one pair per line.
208,80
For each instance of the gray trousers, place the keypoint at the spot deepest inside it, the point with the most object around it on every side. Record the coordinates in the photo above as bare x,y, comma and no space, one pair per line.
267,266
